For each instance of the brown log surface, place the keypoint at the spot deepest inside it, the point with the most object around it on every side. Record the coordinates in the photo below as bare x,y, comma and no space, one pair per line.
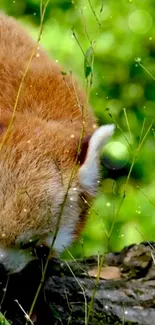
68,290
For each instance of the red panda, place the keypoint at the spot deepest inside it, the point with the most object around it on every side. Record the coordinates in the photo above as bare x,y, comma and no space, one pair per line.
40,150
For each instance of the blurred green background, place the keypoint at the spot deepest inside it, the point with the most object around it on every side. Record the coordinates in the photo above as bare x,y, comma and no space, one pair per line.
123,91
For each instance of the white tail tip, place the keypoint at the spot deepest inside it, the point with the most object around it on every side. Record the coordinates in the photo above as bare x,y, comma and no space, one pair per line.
89,171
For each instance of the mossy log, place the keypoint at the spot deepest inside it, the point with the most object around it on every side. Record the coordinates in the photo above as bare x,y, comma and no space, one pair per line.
124,297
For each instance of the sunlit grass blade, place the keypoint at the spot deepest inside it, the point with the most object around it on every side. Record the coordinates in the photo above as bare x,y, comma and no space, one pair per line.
83,291
128,125
146,196
119,128
94,13
148,72
95,212
129,174
142,129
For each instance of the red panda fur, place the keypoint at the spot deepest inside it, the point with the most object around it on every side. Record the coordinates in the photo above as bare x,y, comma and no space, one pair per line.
41,147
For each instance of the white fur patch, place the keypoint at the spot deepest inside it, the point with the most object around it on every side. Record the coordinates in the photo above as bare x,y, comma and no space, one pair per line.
89,171
14,260
63,240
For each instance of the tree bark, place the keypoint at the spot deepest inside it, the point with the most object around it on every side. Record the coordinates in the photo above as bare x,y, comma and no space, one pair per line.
124,297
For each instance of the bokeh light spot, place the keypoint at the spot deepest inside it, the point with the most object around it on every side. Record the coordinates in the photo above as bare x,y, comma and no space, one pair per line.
115,155
140,21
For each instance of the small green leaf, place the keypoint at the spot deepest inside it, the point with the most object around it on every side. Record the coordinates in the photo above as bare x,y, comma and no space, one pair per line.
88,62
87,71
63,73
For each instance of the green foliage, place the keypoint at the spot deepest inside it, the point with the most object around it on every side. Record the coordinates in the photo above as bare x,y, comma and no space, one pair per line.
123,91
3,320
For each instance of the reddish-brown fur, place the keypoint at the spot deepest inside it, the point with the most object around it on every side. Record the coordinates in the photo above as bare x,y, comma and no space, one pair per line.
39,153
